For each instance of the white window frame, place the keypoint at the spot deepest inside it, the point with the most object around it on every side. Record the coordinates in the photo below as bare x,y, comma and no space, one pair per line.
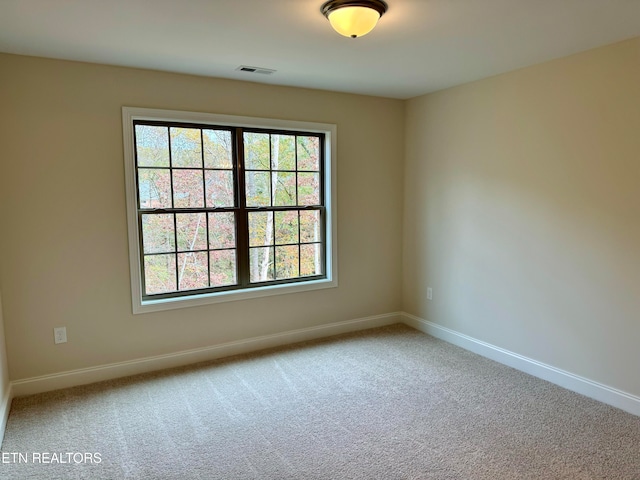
129,114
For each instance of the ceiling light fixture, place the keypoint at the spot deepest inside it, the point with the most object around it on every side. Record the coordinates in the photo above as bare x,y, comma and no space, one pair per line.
353,18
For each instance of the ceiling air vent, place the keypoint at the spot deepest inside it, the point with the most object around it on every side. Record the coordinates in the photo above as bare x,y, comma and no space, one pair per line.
263,71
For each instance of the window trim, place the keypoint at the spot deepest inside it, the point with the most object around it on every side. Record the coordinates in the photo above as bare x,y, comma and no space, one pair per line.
129,114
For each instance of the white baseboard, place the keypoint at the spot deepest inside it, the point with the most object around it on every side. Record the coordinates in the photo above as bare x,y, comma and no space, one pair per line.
5,406
603,393
84,376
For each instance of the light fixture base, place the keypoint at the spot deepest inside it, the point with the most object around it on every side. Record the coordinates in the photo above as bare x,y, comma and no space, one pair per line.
378,5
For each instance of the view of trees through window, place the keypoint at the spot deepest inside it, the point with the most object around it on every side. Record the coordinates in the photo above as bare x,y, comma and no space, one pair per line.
226,208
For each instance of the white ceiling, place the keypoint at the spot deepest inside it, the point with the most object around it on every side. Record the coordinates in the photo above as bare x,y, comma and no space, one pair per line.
419,46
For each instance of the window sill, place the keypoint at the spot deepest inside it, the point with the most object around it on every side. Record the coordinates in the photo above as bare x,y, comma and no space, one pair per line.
148,306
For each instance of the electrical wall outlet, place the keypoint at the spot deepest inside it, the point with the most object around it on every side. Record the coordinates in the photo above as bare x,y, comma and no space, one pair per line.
429,293
60,335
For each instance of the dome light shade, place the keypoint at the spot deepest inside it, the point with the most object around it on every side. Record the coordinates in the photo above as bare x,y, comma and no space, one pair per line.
353,18
353,21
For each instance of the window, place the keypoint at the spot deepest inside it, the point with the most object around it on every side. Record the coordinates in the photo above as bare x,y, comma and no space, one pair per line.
223,208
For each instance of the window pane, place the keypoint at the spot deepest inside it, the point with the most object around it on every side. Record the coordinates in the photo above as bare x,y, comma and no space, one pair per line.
256,151
311,259
260,229
309,226
222,230
286,227
258,186
188,191
152,146
284,184
219,185
192,231
159,273
223,268
308,153
308,189
157,233
283,152
217,148
287,262
186,147
261,264
193,270
191,170
154,188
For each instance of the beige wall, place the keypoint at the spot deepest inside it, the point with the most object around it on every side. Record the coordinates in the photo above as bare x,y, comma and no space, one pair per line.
4,369
62,208
522,212
521,206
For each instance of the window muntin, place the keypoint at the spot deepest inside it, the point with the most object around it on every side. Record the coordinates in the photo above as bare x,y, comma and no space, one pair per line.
222,208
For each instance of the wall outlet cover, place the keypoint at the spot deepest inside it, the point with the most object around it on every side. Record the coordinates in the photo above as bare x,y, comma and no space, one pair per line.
60,335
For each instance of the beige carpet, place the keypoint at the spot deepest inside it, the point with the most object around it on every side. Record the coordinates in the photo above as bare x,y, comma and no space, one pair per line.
388,403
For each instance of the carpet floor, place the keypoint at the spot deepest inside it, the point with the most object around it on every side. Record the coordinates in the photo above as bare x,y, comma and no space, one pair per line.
386,403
